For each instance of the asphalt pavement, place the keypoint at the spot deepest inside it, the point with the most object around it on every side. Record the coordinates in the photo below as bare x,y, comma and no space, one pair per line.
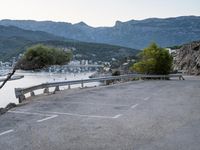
138,115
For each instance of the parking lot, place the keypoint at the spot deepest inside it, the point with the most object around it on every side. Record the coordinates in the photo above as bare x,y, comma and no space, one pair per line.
149,115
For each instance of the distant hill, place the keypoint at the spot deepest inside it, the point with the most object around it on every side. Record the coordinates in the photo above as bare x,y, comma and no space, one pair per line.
14,41
94,51
12,31
134,33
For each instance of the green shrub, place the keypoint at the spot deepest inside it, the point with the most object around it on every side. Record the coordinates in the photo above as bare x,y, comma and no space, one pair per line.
40,56
153,60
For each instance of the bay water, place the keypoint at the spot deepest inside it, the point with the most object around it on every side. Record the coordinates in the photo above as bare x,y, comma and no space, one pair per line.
7,93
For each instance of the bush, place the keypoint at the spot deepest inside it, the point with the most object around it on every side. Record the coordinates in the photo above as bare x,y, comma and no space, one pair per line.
40,56
153,60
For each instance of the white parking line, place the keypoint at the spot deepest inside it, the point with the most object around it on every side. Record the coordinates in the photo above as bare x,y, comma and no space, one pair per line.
79,115
117,116
134,106
146,98
60,113
27,113
51,117
82,103
6,132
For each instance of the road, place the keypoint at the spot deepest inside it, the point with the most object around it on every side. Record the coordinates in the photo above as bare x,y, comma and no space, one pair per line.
139,115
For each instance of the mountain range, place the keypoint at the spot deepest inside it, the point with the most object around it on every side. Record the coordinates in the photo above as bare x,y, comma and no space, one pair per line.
14,40
134,33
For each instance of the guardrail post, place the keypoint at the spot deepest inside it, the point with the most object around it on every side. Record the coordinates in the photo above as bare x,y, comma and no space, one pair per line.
32,93
181,77
107,82
19,94
69,86
82,86
22,98
46,90
57,89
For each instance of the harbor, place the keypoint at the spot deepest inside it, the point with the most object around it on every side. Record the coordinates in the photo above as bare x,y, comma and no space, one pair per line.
33,78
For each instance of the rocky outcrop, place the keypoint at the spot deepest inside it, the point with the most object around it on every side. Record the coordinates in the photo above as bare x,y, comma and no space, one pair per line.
188,58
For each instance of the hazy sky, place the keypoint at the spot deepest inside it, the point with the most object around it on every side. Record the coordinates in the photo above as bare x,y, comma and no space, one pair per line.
96,12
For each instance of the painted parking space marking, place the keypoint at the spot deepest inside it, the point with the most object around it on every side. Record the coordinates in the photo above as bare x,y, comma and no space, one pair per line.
82,103
146,98
117,116
48,118
6,132
28,113
80,115
134,106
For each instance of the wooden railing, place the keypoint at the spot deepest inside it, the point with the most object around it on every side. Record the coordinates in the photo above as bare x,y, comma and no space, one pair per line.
20,92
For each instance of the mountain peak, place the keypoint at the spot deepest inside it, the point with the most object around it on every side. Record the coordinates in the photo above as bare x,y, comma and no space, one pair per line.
81,24
117,23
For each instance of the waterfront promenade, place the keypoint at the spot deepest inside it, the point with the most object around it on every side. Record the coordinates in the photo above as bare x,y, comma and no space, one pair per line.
139,115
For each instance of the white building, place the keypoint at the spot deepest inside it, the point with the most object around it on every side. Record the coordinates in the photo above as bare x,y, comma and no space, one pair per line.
171,51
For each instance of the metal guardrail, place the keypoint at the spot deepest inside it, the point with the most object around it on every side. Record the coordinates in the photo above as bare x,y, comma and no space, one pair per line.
89,65
20,92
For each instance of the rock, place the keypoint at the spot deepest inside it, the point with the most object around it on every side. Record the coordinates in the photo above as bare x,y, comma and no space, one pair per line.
188,58
10,106
2,111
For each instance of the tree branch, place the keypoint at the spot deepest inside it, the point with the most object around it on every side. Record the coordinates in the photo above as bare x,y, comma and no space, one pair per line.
11,74
8,77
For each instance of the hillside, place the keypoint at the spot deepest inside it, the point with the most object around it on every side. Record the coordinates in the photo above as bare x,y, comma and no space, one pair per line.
14,41
94,51
188,58
134,33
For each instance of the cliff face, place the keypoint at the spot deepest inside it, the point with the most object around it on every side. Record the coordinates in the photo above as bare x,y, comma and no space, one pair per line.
188,58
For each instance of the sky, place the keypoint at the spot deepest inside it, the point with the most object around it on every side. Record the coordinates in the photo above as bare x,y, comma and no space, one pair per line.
96,12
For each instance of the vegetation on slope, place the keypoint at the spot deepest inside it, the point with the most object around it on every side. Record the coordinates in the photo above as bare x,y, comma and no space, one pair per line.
94,51
40,56
154,60
14,41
